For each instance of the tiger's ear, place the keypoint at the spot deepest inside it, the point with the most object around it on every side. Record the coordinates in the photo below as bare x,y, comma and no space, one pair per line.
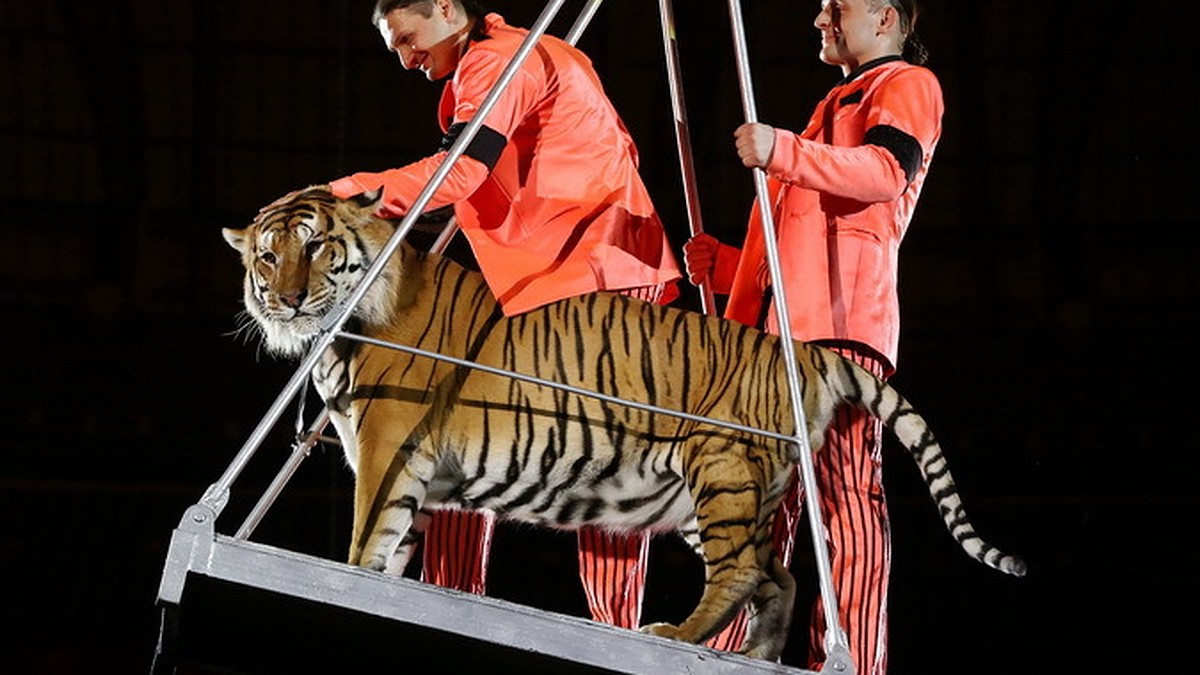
369,199
235,238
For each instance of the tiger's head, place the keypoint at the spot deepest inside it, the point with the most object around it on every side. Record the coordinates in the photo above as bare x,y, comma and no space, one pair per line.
303,256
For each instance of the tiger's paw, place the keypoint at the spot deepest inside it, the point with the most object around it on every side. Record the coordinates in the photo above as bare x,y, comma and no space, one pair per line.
666,630
767,651
375,563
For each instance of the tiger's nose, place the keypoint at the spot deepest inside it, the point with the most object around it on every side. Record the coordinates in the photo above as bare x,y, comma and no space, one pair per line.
294,298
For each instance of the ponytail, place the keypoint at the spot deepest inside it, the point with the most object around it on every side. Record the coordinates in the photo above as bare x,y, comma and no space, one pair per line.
913,50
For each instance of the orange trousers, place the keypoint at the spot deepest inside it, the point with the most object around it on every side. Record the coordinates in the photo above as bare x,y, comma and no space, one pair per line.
612,567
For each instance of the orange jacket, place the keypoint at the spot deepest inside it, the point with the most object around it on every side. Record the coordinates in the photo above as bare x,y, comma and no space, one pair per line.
843,192
552,205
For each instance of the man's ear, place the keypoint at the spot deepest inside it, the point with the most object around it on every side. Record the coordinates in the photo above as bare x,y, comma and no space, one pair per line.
889,19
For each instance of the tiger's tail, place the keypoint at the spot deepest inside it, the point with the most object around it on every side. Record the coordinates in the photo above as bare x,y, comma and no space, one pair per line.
882,400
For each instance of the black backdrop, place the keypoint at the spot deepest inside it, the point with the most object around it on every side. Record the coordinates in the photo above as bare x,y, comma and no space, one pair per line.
1048,285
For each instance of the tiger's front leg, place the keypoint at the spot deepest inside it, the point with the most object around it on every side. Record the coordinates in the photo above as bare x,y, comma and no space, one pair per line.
408,546
388,493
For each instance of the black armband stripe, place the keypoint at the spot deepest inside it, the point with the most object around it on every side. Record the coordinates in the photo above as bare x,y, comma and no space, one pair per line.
903,147
485,147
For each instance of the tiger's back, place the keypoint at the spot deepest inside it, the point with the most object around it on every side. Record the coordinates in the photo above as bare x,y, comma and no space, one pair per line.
422,432
569,459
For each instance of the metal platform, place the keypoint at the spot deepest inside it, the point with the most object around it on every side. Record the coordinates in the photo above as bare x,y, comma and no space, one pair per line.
232,607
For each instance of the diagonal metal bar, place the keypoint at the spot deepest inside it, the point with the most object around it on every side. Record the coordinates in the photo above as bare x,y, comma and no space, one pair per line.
581,23
300,450
836,648
646,407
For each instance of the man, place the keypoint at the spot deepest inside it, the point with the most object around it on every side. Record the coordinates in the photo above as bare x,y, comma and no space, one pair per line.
549,198
842,193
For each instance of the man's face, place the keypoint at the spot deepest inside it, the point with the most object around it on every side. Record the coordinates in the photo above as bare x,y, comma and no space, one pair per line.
430,43
850,30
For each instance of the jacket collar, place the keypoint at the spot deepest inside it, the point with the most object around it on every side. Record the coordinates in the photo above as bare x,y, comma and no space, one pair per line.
869,65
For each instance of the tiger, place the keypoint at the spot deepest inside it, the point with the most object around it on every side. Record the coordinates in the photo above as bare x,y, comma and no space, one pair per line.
463,432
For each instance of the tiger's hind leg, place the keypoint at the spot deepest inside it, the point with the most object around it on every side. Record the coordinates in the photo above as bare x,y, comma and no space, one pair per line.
770,612
726,591
726,494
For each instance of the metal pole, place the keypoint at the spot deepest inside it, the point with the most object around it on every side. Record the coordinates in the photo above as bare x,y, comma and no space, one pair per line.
217,494
683,141
836,648
581,23
300,450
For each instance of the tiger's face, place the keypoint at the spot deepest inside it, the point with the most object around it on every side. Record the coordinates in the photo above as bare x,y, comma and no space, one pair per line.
302,258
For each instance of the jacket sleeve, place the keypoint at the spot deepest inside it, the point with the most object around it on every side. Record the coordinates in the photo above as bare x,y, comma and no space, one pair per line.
901,127
724,268
865,173
476,75
401,186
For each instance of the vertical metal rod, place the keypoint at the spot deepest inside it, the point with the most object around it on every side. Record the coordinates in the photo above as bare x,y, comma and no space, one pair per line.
581,23
835,640
683,141
217,494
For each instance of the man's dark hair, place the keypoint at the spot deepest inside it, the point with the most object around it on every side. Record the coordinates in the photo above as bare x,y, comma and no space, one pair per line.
913,50
473,8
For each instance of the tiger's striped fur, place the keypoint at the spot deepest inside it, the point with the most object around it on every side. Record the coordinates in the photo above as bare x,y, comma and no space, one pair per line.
423,433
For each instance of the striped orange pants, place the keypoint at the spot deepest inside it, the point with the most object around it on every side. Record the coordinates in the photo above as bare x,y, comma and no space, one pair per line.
850,483
612,567
456,550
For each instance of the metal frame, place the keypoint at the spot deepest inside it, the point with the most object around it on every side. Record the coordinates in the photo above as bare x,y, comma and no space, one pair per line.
196,548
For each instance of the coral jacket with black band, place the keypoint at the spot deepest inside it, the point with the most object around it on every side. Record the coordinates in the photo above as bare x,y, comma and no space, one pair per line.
547,193
843,193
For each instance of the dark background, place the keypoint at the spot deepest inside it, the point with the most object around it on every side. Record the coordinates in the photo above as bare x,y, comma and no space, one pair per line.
1049,286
